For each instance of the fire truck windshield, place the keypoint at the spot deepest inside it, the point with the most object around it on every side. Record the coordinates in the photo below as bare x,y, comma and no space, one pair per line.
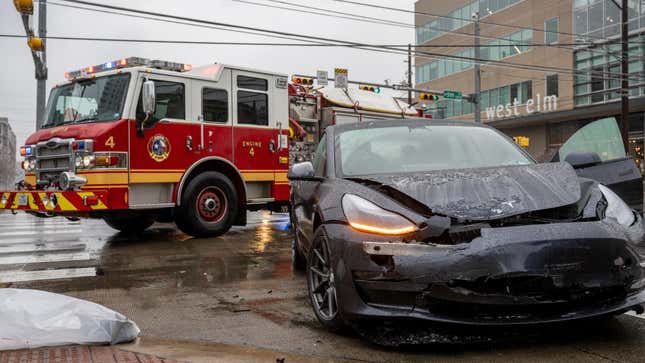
87,100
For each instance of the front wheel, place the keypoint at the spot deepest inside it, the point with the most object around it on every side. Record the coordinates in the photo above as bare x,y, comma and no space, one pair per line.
322,285
129,225
208,206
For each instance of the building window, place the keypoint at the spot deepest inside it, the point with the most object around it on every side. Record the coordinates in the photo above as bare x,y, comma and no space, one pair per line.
252,108
215,105
552,85
551,31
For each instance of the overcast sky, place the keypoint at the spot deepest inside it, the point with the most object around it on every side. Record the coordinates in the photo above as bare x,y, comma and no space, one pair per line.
18,86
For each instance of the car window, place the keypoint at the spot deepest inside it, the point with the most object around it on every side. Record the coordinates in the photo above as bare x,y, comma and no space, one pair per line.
320,158
170,101
601,137
409,149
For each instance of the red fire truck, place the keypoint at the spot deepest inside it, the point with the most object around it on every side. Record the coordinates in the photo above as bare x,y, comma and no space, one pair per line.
135,141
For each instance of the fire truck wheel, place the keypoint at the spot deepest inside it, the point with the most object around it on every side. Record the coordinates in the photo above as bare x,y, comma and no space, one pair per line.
208,206
129,225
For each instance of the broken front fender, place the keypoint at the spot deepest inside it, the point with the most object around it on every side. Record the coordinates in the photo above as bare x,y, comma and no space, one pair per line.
514,275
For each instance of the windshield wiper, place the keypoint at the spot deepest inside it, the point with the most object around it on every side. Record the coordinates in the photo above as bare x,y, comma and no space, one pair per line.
86,119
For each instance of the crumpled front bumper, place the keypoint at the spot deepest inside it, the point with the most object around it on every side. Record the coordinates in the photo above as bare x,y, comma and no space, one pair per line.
55,201
514,275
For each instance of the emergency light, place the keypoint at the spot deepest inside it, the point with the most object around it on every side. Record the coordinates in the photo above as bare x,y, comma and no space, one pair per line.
129,62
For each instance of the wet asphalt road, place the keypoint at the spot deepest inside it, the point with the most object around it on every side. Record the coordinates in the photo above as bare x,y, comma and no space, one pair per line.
241,291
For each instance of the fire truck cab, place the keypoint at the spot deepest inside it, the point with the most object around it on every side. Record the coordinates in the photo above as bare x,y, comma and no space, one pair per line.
135,141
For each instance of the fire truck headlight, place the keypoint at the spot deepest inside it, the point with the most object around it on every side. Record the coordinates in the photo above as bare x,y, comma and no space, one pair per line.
78,161
29,164
88,161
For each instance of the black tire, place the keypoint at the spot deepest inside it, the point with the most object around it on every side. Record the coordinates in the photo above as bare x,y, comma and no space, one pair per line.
208,206
129,225
323,295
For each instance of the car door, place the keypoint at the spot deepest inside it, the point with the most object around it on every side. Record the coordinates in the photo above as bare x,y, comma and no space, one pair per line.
596,151
307,194
159,155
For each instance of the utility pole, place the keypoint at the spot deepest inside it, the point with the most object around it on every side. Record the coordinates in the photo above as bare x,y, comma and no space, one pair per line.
37,45
409,73
477,74
41,69
624,118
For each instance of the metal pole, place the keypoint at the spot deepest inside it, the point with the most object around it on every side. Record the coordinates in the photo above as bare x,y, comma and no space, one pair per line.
624,122
41,69
477,74
410,73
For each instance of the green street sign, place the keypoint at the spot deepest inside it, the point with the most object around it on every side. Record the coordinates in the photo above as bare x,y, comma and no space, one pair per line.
451,94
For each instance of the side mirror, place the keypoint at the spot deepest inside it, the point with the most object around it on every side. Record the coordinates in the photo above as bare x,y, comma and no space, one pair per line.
302,171
148,103
149,97
582,159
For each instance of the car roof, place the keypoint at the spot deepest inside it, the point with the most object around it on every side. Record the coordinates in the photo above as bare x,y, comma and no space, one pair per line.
404,122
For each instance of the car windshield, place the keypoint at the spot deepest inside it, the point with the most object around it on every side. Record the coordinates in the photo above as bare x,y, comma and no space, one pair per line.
423,148
97,99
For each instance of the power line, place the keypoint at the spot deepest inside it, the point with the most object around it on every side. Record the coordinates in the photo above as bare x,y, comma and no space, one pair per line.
405,25
466,19
348,16
126,40
356,45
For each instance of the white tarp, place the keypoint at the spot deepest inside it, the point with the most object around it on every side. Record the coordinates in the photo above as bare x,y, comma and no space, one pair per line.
32,318
366,100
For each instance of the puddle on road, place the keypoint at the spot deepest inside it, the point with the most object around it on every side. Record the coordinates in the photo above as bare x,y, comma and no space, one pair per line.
163,257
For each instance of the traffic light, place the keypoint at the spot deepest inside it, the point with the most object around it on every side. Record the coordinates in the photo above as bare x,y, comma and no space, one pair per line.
303,81
369,88
36,44
25,7
428,97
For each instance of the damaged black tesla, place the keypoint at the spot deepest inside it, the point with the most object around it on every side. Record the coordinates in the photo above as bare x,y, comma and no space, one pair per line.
453,222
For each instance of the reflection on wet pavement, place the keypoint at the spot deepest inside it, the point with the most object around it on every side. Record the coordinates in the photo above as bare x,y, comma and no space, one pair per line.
240,290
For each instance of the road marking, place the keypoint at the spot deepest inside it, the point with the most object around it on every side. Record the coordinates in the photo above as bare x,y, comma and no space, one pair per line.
57,257
40,239
24,276
40,232
40,248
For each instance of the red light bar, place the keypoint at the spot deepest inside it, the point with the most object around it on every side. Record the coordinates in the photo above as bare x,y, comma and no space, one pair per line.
188,67
23,151
90,69
123,62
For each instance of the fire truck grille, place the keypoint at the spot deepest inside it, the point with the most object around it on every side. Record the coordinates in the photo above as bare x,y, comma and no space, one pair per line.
53,158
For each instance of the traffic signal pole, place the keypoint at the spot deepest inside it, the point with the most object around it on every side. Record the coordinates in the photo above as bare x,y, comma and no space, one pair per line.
624,121
41,67
410,73
37,45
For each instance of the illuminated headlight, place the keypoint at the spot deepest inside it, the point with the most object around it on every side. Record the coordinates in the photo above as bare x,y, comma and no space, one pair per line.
84,161
366,216
616,208
88,161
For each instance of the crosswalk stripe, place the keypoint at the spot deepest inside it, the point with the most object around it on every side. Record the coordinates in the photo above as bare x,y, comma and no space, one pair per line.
39,232
25,276
40,248
59,257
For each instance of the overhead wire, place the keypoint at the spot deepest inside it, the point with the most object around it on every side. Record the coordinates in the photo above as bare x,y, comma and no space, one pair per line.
391,50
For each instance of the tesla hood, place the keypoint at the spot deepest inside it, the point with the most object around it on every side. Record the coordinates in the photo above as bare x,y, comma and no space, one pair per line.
490,193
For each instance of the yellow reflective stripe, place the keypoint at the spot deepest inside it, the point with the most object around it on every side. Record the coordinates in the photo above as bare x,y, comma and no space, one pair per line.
281,177
103,178
30,179
100,204
258,176
64,204
159,177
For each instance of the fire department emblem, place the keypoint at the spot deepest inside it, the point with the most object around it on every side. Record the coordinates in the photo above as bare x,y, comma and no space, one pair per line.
159,148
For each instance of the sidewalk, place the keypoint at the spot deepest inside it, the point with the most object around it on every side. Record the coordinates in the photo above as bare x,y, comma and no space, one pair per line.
150,350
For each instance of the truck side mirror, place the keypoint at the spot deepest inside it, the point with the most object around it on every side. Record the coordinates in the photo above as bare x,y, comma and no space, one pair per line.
149,102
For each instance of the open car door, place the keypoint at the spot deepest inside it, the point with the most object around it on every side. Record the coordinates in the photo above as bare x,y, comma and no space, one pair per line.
596,151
